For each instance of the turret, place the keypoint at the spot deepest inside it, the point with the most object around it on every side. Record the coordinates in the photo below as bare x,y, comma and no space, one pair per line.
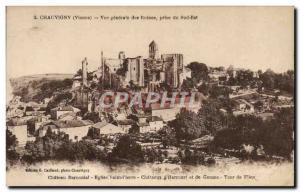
153,50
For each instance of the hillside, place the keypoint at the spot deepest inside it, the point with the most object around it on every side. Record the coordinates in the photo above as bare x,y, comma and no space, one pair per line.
38,87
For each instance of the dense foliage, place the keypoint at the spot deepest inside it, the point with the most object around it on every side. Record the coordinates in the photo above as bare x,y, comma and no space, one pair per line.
48,88
275,135
127,150
93,116
59,147
93,133
11,142
199,71
268,79
57,99
281,81
187,125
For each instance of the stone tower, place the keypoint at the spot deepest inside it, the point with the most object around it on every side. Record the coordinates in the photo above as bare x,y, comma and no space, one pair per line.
121,55
153,50
84,72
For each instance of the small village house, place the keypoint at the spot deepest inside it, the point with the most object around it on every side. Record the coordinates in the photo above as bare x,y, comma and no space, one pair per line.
76,129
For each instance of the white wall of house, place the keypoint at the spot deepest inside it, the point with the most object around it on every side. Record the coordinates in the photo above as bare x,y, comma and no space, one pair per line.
111,129
38,124
120,116
125,128
59,113
20,131
145,129
166,114
42,132
156,125
76,83
67,117
76,131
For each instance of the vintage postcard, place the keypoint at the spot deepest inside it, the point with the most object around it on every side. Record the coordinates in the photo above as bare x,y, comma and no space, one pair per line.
150,96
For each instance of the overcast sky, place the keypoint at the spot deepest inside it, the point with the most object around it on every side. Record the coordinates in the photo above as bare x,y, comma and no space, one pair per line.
253,37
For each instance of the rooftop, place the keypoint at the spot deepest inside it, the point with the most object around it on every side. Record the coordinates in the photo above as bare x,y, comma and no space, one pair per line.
154,118
125,122
100,124
64,108
70,123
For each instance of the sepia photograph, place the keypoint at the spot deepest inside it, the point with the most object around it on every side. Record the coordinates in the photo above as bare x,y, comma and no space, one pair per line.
157,96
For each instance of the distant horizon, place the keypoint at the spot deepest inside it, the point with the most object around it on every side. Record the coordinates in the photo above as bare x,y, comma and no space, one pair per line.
69,73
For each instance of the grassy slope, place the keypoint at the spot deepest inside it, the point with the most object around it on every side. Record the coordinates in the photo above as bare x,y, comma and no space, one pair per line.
33,83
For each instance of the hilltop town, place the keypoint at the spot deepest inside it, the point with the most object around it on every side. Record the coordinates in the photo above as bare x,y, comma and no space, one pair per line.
236,113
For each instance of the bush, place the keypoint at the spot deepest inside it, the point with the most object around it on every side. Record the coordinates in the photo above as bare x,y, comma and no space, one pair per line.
59,147
191,157
275,135
127,150
11,143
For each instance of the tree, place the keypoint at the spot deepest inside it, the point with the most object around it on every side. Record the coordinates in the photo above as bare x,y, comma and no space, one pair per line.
211,117
93,116
187,125
93,133
282,81
83,150
278,133
244,77
268,79
49,87
63,96
199,71
275,135
258,105
191,157
168,136
79,72
188,84
58,146
11,140
34,151
127,149
228,139
231,81
219,92
250,128
243,129
22,92
285,81
55,85
151,155
204,88
11,143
